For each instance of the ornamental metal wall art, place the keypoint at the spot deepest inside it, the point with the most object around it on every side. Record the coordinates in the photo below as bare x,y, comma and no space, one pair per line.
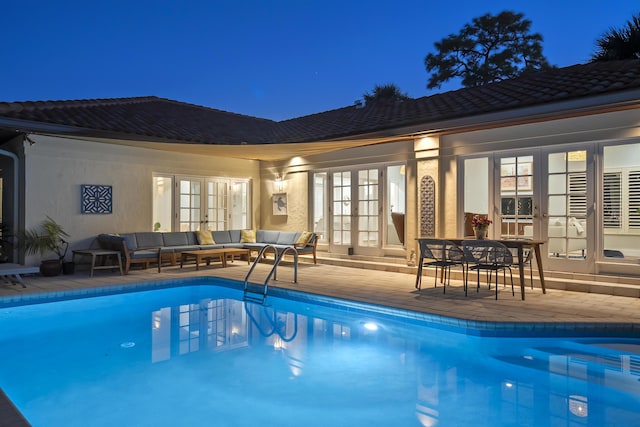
427,206
96,199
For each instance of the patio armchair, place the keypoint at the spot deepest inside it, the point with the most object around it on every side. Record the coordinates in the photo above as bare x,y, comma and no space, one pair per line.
129,252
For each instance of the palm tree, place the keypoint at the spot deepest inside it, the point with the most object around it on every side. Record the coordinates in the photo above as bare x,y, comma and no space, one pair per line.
389,92
623,43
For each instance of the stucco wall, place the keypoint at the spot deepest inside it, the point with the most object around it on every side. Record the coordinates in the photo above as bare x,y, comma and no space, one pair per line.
56,168
296,174
296,186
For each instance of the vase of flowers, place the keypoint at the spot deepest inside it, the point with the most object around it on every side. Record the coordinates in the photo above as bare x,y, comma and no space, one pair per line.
480,225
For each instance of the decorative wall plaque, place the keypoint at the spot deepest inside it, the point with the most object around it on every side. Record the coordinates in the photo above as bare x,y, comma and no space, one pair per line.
96,199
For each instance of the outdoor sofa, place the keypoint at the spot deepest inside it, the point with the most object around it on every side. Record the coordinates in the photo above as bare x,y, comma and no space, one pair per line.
153,247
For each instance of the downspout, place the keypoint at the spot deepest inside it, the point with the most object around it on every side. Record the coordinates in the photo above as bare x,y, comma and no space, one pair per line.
16,165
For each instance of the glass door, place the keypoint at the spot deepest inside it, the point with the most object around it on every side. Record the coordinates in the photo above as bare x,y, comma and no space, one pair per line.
212,204
620,203
566,213
190,193
517,202
355,212
341,212
368,212
216,217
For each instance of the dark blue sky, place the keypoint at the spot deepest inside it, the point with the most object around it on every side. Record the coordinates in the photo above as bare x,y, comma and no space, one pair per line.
274,59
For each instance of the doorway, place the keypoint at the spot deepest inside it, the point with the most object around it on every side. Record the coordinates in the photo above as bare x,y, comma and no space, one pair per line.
185,203
542,194
364,208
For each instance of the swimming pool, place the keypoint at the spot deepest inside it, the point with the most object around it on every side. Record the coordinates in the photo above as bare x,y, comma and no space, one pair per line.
196,354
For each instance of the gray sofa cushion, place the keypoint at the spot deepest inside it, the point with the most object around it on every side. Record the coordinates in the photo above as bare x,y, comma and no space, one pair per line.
267,236
216,246
256,246
144,254
235,236
175,239
235,245
149,239
130,240
222,237
287,238
111,242
180,248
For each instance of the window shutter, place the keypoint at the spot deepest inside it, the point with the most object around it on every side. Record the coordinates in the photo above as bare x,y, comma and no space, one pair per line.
612,199
578,195
634,200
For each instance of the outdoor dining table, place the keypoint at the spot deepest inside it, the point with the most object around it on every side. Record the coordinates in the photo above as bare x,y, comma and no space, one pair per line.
520,245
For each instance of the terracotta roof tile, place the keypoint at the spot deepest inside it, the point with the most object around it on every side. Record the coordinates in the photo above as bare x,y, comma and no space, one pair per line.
167,120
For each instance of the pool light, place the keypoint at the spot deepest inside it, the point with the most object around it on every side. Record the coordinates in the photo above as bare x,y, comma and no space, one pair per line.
370,326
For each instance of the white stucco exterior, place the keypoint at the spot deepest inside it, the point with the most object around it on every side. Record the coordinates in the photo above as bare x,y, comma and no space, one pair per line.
57,167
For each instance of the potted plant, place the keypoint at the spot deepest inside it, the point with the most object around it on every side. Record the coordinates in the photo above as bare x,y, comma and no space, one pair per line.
48,237
6,242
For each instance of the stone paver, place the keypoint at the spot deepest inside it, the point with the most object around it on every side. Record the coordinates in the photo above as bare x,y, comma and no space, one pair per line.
381,288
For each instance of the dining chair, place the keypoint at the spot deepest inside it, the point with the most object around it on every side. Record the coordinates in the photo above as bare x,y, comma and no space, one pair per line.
490,256
441,254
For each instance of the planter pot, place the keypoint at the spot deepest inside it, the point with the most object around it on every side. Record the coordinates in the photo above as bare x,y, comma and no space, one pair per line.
68,267
50,267
481,233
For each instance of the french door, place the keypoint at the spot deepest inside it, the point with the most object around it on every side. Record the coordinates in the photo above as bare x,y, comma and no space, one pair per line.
355,209
204,203
568,215
547,194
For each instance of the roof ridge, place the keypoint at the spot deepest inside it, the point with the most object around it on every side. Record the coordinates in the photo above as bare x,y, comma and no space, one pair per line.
89,102
204,107
103,102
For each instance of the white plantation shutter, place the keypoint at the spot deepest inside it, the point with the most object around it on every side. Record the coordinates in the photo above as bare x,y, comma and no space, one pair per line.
634,199
578,195
612,199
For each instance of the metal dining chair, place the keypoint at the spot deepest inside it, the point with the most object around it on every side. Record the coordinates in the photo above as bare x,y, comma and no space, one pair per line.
490,256
441,254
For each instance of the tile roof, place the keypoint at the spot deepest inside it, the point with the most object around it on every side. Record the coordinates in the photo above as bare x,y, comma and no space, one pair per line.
560,84
166,120
148,118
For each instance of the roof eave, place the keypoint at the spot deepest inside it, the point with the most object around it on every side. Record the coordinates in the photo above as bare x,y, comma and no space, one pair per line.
610,102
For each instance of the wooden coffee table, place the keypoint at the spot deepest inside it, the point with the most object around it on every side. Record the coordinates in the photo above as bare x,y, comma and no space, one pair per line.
233,252
209,254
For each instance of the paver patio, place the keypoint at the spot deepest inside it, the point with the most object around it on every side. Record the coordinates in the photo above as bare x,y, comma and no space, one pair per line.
379,287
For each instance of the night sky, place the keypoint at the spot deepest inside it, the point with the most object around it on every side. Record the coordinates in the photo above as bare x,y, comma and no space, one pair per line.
272,59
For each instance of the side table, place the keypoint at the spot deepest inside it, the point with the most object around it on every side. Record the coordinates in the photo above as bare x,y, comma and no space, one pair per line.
105,254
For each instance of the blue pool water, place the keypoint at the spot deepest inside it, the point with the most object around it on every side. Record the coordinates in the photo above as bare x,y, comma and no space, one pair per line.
199,355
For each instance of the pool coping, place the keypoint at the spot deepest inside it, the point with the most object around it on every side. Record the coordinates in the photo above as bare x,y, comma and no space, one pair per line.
484,328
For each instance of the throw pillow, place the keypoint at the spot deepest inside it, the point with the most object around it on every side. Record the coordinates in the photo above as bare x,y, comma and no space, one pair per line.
304,238
205,237
247,236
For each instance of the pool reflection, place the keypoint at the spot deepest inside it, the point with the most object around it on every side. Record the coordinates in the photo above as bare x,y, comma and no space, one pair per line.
448,379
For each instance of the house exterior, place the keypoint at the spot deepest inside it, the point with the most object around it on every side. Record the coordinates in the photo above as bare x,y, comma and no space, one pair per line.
553,155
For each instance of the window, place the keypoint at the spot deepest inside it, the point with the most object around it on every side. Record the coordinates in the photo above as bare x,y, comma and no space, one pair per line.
621,201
